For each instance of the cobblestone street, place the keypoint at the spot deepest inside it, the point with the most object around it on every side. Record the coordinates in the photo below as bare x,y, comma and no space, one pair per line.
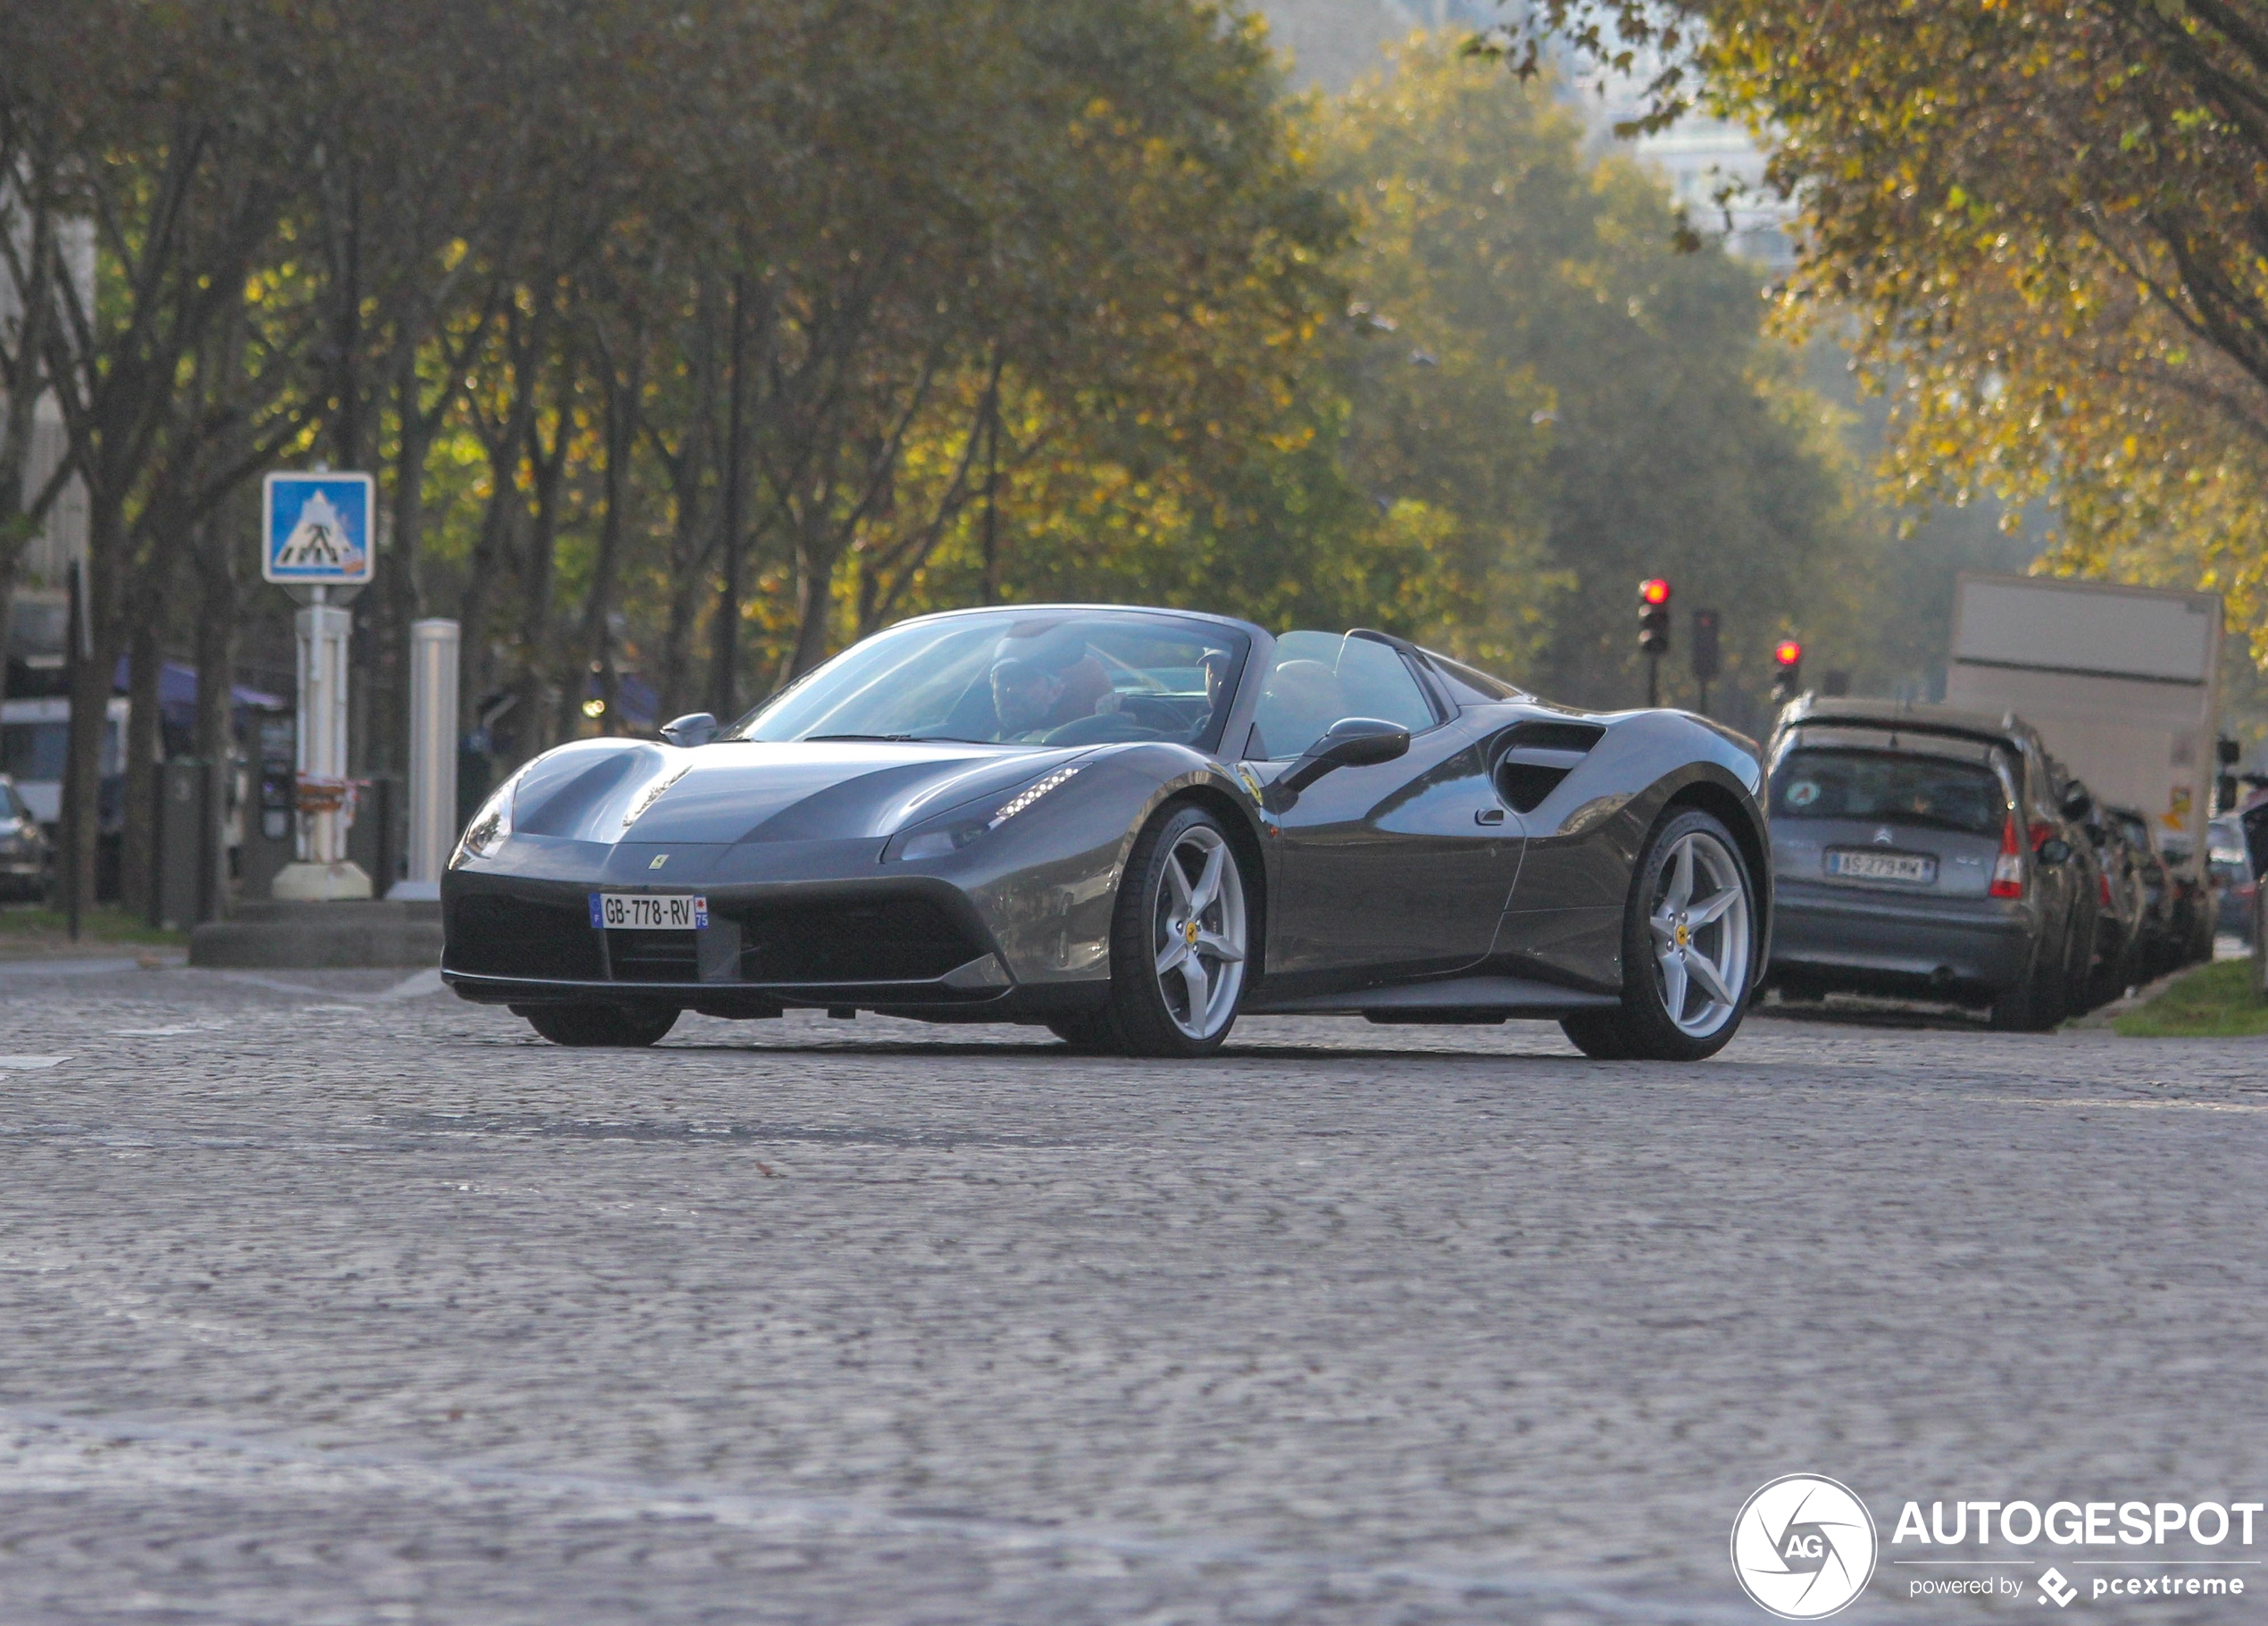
328,1297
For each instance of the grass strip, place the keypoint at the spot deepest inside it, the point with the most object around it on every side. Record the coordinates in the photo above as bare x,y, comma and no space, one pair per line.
2214,1001
103,925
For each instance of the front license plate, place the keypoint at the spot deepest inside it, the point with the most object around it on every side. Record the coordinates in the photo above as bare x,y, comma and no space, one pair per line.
649,911
1856,863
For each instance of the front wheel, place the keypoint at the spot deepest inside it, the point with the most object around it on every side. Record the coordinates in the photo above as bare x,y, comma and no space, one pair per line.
616,1026
1088,1032
1689,949
1179,938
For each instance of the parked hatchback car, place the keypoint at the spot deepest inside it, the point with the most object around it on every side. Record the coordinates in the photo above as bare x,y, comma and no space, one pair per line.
2121,903
1924,851
23,847
2159,949
2234,877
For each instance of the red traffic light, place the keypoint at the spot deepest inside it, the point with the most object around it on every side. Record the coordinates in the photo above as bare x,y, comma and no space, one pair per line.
1788,651
1654,590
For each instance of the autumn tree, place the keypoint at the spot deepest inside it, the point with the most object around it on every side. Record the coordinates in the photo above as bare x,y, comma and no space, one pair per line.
1584,404
2048,221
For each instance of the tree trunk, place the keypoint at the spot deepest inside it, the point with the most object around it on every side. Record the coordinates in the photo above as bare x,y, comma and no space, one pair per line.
216,676
724,632
815,559
403,597
96,635
137,832
686,556
490,549
537,732
598,608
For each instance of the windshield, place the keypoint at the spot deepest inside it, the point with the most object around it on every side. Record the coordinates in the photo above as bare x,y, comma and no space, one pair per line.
33,752
1020,677
1889,787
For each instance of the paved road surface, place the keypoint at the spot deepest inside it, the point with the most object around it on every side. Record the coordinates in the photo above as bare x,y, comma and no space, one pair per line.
323,1299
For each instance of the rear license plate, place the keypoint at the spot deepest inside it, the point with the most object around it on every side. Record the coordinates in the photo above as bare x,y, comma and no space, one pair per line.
649,911
1856,863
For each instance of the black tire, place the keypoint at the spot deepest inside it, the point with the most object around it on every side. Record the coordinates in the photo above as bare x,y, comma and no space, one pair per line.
2038,1004
1088,1032
1642,1029
615,1026
1140,1018
1597,1034
2079,972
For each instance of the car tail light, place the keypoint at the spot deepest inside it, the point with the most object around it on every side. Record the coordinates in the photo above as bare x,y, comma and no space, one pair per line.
2040,831
2008,868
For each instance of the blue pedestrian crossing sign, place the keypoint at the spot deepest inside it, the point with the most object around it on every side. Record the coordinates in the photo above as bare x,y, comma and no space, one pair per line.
316,528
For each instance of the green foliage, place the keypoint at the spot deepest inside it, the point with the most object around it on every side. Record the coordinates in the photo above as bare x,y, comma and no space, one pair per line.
2214,1001
1592,406
693,342
2047,217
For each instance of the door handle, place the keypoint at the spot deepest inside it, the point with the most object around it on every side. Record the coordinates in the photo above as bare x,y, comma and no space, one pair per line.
1489,815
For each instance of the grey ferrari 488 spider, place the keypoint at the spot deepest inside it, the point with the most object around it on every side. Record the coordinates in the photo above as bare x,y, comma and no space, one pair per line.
1132,826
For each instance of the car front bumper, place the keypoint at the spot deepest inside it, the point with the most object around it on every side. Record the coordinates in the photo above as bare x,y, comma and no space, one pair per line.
897,942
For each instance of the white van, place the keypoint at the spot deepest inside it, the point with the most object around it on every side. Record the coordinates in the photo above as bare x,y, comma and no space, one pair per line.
34,735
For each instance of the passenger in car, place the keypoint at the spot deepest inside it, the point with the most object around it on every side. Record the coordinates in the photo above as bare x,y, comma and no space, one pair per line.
1041,683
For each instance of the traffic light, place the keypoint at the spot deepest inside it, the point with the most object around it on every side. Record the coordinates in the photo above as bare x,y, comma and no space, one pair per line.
1787,654
1654,616
1706,662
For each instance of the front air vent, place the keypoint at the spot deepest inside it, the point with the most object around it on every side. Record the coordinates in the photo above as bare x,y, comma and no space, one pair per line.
1534,757
500,935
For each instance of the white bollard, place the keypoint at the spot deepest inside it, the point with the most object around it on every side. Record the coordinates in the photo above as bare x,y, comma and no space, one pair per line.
433,756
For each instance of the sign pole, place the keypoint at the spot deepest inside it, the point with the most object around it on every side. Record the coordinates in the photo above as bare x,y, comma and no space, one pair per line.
316,538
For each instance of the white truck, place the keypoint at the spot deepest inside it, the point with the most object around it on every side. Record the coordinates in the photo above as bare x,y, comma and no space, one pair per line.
2122,683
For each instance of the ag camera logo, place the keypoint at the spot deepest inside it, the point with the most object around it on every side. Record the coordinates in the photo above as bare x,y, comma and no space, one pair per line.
1803,1546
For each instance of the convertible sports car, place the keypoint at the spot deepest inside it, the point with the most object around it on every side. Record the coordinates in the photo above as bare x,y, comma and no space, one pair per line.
1132,826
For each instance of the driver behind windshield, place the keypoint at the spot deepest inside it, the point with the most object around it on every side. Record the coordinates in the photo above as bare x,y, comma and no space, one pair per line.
1044,681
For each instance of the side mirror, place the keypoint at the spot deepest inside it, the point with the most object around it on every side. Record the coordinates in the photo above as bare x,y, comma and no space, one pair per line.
693,729
2076,803
2054,850
1351,742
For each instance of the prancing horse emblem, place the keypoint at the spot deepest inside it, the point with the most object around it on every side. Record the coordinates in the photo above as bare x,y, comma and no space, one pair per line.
662,858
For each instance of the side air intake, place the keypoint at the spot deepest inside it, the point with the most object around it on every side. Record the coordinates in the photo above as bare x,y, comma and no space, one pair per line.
1533,757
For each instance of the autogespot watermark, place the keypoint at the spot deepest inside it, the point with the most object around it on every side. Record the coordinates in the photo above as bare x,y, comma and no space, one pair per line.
1804,1546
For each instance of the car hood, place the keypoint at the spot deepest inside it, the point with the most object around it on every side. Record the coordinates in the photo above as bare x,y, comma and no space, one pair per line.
733,791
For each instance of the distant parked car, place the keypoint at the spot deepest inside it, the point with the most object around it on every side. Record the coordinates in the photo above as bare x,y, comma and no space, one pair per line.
2121,905
23,847
1926,852
2161,948
2193,904
2233,878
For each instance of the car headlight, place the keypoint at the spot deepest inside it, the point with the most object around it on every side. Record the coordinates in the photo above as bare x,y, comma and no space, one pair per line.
945,840
1032,793
490,827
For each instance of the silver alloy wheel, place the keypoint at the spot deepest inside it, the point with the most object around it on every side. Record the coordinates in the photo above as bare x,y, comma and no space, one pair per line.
1200,933
1700,924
